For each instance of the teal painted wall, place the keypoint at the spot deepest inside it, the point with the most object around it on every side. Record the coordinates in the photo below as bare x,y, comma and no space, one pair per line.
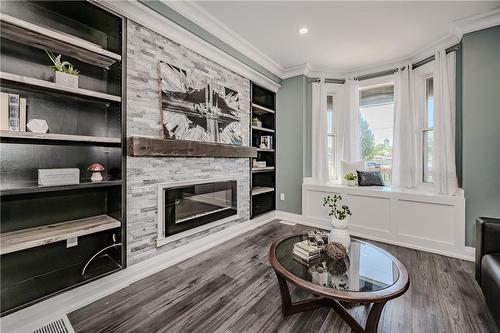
291,131
481,126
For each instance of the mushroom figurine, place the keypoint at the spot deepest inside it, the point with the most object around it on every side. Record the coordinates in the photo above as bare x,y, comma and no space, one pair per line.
96,169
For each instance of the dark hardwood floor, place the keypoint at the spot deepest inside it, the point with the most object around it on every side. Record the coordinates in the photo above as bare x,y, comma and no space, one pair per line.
232,288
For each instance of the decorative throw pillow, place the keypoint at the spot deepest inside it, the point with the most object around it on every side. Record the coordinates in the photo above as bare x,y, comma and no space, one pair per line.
370,178
350,167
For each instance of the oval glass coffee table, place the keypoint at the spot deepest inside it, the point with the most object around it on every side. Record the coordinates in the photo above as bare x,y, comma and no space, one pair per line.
367,275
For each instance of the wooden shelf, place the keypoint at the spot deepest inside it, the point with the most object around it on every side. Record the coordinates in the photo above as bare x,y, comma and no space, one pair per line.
266,169
40,37
33,237
265,150
33,187
261,189
262,129
261,109
47,85
29,137
143,146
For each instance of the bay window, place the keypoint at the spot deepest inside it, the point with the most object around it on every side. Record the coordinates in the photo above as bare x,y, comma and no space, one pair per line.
376,122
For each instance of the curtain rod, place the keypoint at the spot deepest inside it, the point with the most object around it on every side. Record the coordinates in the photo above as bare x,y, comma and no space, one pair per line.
339,81
452,48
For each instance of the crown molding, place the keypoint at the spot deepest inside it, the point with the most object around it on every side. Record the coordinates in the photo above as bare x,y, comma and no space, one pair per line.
201,17
151,19
302,69
474,23
457,29
156,22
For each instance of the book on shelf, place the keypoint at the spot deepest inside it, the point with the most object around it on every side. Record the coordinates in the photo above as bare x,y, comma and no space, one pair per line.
4,112
22,114
12,112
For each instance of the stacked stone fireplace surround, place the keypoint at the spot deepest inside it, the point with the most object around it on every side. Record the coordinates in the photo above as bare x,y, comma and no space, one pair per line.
145,49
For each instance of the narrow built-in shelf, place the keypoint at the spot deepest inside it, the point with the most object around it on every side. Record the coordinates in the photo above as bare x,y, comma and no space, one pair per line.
30,136
261,189
33,187
40,37
47,85
33,237
265,150
259,109
266,169
262,129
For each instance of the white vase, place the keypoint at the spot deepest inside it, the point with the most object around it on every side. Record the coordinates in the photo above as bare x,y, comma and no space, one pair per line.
339,233
65,79
351,182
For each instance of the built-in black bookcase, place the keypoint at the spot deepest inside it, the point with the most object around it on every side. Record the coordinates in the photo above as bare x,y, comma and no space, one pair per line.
263,124
86,125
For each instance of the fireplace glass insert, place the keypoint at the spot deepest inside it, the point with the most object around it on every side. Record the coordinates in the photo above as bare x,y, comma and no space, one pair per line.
191,206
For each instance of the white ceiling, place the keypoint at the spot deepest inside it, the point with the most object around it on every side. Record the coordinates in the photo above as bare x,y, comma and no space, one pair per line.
343,36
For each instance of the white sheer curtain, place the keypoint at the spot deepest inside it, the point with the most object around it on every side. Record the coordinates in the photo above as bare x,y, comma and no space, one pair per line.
404,156
350,120
444,168
319,133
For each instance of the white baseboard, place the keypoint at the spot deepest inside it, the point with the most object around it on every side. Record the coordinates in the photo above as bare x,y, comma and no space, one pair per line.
28,319
468,251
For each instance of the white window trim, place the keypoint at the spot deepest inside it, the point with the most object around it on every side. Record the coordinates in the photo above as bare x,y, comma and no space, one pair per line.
420,75
337,91
379,82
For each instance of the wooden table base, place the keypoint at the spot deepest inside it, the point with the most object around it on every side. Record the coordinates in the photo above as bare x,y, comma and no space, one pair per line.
288,308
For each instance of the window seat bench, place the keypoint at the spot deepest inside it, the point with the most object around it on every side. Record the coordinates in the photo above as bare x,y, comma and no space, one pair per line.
412,218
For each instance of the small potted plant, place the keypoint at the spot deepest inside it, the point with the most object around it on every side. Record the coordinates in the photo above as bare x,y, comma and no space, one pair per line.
350,178
256,122
339,221
64,72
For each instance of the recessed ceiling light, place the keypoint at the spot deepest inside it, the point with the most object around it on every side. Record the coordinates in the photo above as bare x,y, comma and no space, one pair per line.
303,31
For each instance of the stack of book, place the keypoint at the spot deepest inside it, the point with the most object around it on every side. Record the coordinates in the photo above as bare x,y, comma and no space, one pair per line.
12,112
305,252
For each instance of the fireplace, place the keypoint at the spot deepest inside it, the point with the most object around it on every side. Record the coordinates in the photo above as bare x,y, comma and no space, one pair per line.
189,205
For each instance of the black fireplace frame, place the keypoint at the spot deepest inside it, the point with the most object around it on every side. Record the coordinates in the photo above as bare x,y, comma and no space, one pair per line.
171,196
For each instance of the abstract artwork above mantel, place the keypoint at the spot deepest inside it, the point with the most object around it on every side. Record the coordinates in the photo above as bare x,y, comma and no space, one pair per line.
195,107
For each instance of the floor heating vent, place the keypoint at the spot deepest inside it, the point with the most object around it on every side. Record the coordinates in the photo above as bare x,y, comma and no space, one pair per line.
61,325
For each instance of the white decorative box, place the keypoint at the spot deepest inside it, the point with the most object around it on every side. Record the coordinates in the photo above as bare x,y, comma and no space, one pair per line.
260,164
52,177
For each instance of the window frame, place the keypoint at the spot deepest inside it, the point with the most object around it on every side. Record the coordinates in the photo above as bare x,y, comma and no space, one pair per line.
332,134
336,90
425,129
373,83
420,75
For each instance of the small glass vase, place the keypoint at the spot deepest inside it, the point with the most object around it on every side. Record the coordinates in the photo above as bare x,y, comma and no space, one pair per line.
339,232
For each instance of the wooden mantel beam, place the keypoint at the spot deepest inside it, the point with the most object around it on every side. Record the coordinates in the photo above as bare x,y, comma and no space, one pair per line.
142,146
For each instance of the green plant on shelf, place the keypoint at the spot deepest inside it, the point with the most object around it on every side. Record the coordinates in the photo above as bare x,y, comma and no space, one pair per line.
61,66
350,176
